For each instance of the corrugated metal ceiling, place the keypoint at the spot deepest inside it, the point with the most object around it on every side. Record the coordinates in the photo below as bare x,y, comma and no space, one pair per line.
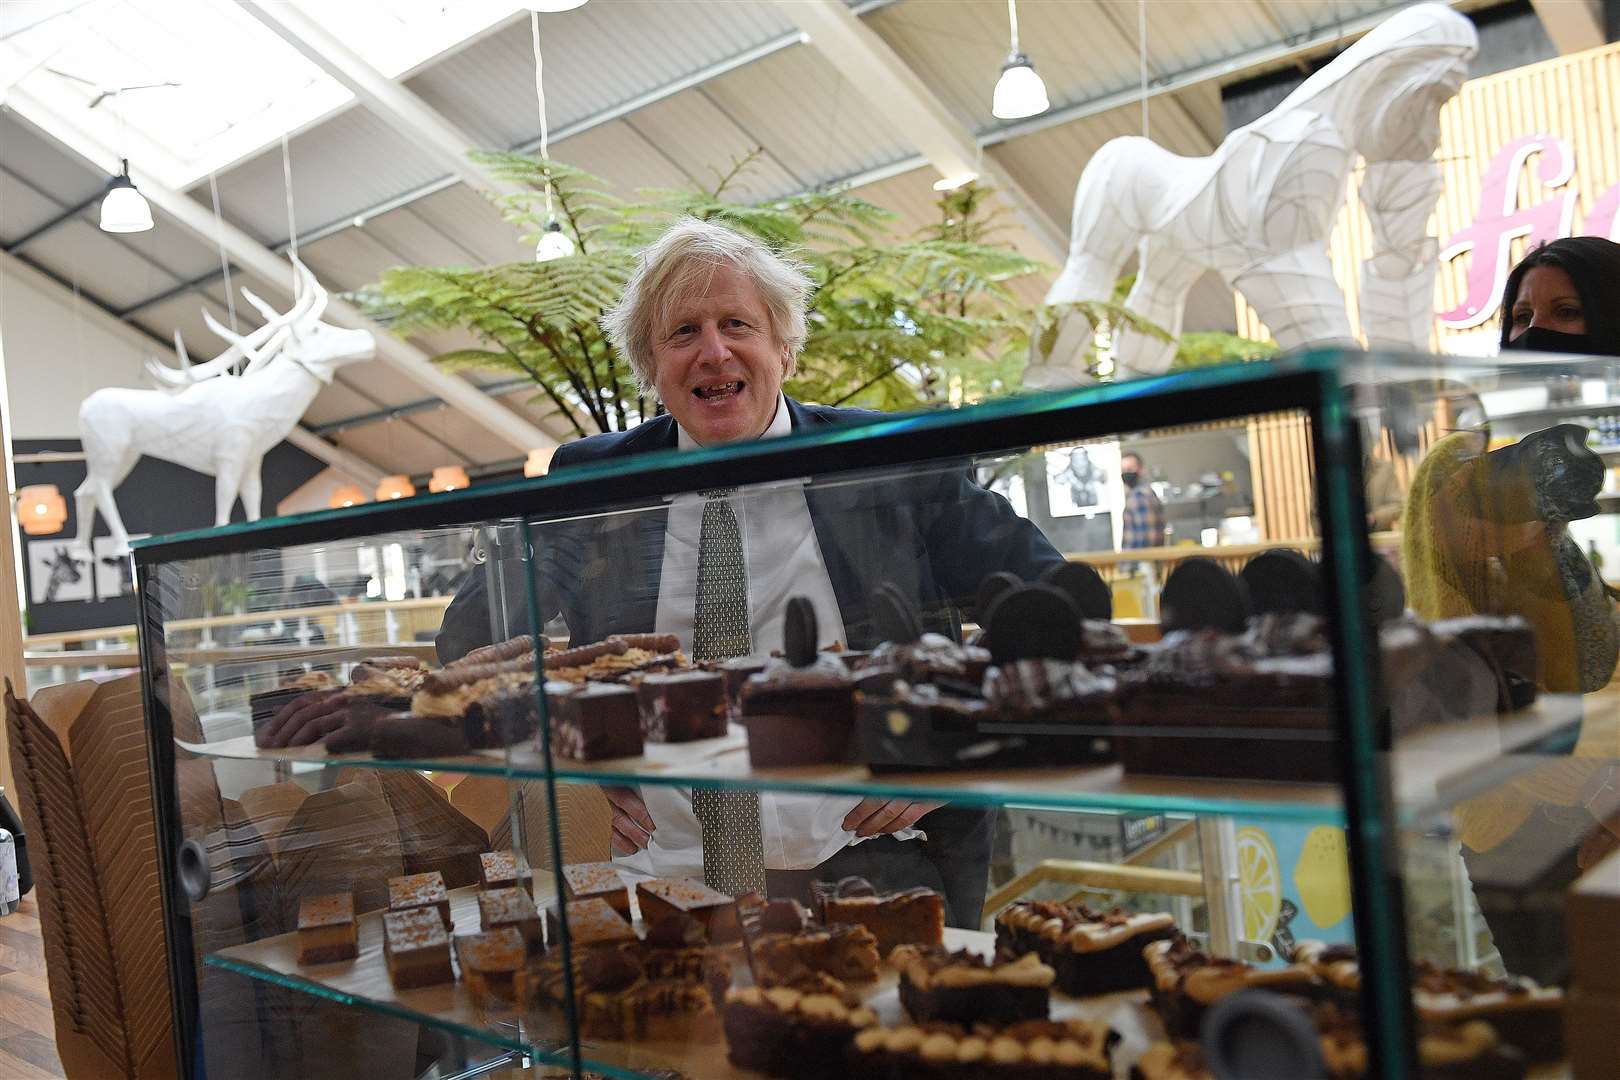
812,125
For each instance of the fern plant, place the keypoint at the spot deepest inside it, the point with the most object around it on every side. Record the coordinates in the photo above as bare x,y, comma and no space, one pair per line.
896,322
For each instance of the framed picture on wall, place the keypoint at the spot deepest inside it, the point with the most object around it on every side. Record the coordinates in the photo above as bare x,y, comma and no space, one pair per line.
1083,480
114,574
55,576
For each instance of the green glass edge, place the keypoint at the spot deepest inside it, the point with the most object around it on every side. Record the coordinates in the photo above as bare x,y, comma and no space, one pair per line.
314,989
1024,404
1325,814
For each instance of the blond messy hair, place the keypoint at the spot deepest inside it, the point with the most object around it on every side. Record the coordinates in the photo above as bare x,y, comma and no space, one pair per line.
682,262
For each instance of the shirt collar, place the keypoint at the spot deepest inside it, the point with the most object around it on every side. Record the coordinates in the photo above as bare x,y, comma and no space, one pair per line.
781,424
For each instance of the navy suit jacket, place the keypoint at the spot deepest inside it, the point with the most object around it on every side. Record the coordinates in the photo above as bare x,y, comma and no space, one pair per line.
932,531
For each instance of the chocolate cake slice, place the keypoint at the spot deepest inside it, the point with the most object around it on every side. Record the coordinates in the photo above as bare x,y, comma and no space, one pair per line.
490,963
597,880
1186,981
663,897
593,720
416,948
326,929
1092,952
847,953
963,987
909,917
781,1032
681,706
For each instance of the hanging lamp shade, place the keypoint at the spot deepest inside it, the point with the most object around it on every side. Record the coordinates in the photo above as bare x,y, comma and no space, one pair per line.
41,510
124,210
538,463
1019,92
398,486
554,244
347,495
448,478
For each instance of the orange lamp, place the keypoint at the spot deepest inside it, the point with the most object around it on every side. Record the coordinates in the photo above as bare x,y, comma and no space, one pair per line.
41,510
347,495
398,486
448,478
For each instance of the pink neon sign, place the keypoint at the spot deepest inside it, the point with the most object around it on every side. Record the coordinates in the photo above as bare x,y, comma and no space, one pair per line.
1501,220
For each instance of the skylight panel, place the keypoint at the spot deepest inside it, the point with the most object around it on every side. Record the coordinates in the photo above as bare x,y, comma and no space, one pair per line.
398,36
240,86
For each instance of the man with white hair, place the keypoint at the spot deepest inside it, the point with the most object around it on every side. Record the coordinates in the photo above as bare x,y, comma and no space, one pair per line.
712,321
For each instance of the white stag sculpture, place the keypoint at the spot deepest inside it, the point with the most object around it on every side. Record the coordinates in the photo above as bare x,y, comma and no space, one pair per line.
210,419
1259,211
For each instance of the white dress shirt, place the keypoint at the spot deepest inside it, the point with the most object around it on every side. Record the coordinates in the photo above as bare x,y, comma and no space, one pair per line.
783,560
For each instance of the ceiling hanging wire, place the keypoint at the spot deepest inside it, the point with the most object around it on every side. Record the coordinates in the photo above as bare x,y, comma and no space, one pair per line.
292,224
554,243
1141,56
224,260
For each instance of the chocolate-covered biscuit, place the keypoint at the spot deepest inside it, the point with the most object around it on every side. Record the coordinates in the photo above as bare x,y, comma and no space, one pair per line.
1202,594
1085,586
1283,580
990,588
1033,622
799,632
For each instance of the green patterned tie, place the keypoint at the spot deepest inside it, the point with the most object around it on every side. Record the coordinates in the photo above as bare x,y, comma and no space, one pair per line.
733,853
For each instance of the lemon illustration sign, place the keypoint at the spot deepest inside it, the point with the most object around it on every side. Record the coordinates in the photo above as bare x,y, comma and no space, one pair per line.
1322,875
1260,882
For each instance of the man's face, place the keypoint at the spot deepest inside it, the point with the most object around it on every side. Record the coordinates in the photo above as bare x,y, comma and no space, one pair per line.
719,367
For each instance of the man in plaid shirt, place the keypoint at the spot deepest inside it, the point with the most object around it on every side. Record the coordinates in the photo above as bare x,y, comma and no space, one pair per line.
1143,520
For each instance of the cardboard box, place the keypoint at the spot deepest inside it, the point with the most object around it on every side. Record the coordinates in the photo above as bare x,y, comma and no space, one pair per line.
1592,1033
1594,930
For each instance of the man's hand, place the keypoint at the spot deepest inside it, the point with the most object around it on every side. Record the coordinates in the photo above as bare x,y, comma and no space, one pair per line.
632,825
306,719
875,817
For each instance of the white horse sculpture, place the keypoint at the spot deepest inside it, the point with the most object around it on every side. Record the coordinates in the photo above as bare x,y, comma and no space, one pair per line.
1260,209
211,419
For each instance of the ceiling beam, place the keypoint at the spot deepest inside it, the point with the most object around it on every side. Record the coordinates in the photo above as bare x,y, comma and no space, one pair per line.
893,89
350,464
404,357
1573,25
424,126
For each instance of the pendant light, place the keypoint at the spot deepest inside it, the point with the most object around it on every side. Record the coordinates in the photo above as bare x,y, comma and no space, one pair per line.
1020,92
539,463
124,210
41,510
448,478
398,486
554,243
347,495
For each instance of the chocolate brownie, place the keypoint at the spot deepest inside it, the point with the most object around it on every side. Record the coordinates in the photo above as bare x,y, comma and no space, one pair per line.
593,720
846,952
416,948
661,897
326,929
490,963
514,908
590,922
616,997
909,917
1093,952
1186,981
601,880
420,890
963,987
781,1032
681,706
499,870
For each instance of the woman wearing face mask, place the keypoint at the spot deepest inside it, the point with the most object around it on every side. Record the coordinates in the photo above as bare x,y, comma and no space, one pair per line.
1564,297
1487,534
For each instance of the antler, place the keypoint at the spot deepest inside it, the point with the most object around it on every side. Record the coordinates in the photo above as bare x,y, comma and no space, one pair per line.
259,346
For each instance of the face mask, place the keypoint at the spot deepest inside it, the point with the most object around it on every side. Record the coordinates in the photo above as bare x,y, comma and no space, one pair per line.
1129,478
1540,339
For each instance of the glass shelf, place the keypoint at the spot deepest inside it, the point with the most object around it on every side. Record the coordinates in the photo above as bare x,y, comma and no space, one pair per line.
1432,768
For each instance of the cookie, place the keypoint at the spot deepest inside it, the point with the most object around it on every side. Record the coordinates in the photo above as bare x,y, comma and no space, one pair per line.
1283,580
1085,587
1200,593
1033,622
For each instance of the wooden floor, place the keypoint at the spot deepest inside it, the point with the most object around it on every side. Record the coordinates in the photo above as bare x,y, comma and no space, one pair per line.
27,1032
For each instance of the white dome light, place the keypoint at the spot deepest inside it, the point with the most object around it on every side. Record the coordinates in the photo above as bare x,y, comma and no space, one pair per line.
554,244
1020,92
124,210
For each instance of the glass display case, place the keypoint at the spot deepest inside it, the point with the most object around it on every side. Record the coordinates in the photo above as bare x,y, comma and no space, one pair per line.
815,756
